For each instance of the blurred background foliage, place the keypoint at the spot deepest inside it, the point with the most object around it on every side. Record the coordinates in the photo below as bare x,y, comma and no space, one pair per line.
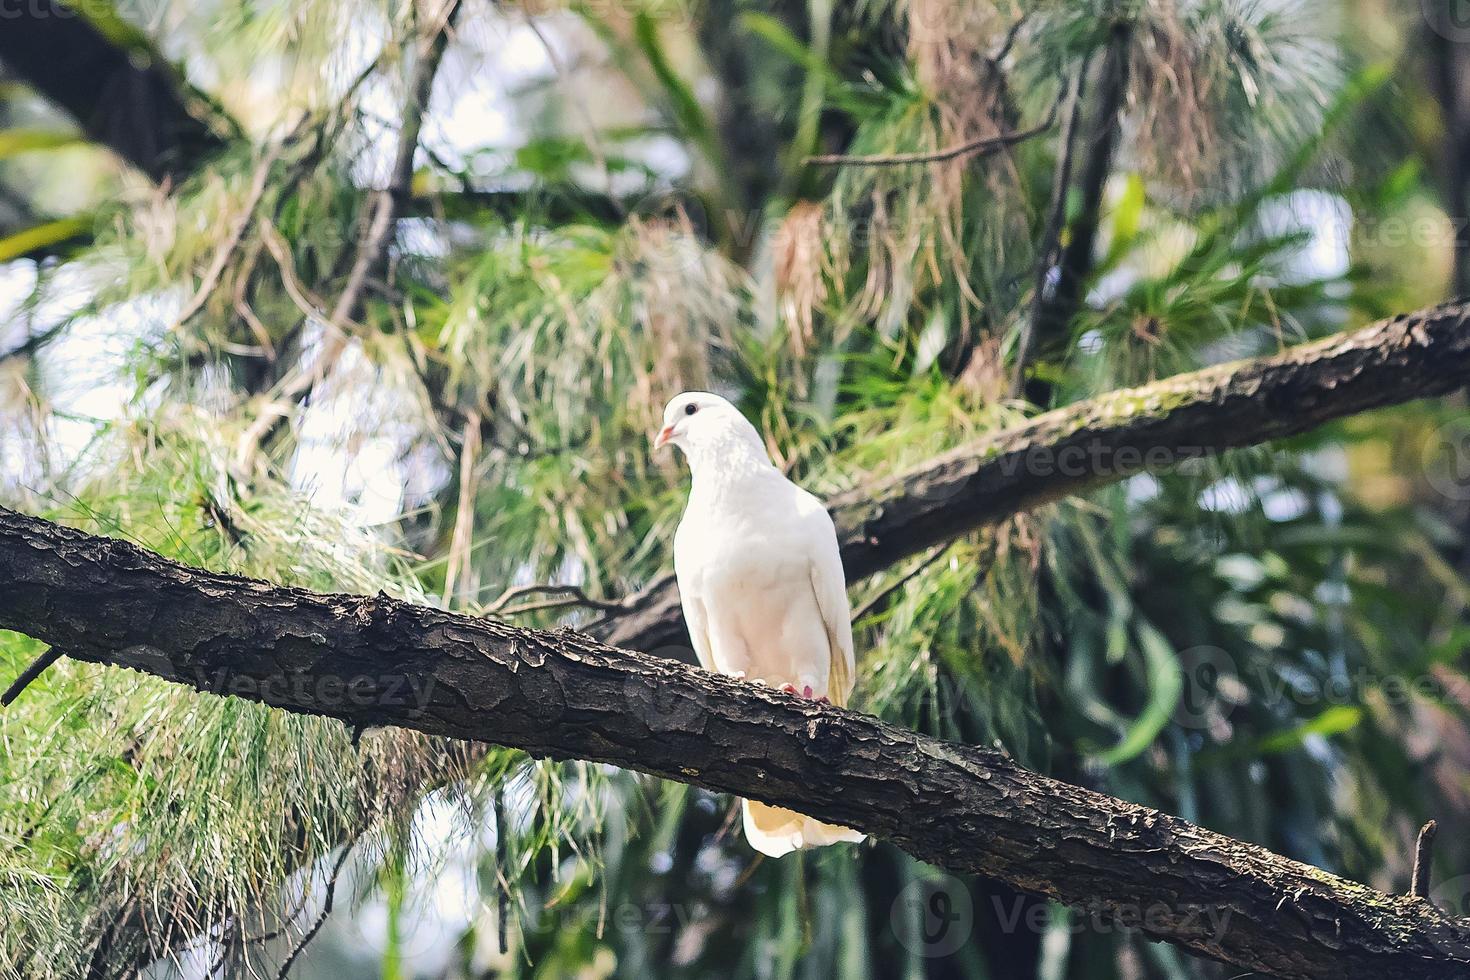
610,202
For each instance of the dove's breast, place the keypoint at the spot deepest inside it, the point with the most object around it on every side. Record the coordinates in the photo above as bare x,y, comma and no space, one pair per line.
753,575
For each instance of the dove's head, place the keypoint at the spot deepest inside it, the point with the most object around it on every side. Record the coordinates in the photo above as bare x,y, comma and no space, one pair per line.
705,425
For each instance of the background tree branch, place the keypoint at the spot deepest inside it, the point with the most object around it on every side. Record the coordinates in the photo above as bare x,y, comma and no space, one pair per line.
121,94
1058,301
377,660
1106,439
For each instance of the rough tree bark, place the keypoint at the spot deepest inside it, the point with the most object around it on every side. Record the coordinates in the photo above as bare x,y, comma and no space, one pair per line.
380,661
1107,439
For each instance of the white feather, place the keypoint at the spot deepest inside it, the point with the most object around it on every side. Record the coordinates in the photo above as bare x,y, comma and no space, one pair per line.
761,582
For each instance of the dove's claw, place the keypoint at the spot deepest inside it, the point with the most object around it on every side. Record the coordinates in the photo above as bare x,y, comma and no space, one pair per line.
739,675
789,688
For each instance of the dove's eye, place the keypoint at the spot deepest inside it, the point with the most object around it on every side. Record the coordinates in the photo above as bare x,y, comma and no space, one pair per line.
690,409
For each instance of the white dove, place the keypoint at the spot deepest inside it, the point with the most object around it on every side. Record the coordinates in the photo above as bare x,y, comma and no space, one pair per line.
761,582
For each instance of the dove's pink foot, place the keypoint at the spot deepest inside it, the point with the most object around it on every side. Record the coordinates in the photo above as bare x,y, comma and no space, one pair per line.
805,692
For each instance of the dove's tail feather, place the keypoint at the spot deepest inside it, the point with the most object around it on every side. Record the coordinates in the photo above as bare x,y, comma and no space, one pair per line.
774,831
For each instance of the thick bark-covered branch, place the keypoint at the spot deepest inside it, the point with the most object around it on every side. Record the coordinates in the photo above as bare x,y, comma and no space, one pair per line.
122,97
1120,434
381,661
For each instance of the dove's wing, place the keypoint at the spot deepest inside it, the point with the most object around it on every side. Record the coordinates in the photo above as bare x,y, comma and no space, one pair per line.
829,586
696,617
697,620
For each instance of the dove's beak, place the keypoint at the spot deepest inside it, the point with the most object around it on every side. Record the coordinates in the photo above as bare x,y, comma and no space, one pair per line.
664,435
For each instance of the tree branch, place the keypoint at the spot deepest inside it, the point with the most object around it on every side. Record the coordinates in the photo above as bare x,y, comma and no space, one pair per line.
980,147
1094,442
1056,307
1107,439
373,248
1049,254
382,212
564,695
123,96
27,676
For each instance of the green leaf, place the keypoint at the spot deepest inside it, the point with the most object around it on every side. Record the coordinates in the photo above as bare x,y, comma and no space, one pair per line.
1126,217
552,157
1165,684
683,105
42,237
1333,721
13,141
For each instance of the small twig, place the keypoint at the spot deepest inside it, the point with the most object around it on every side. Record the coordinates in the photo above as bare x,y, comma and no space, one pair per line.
751,868
1423,858
563,603
935,553
1009,40
502,889
212,276
373,247
1048,256
1062,294
321,919
572,595
382,212
649,594
285,921
219,513
35,341
980,147
310,305
36,669
241,300
228,940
